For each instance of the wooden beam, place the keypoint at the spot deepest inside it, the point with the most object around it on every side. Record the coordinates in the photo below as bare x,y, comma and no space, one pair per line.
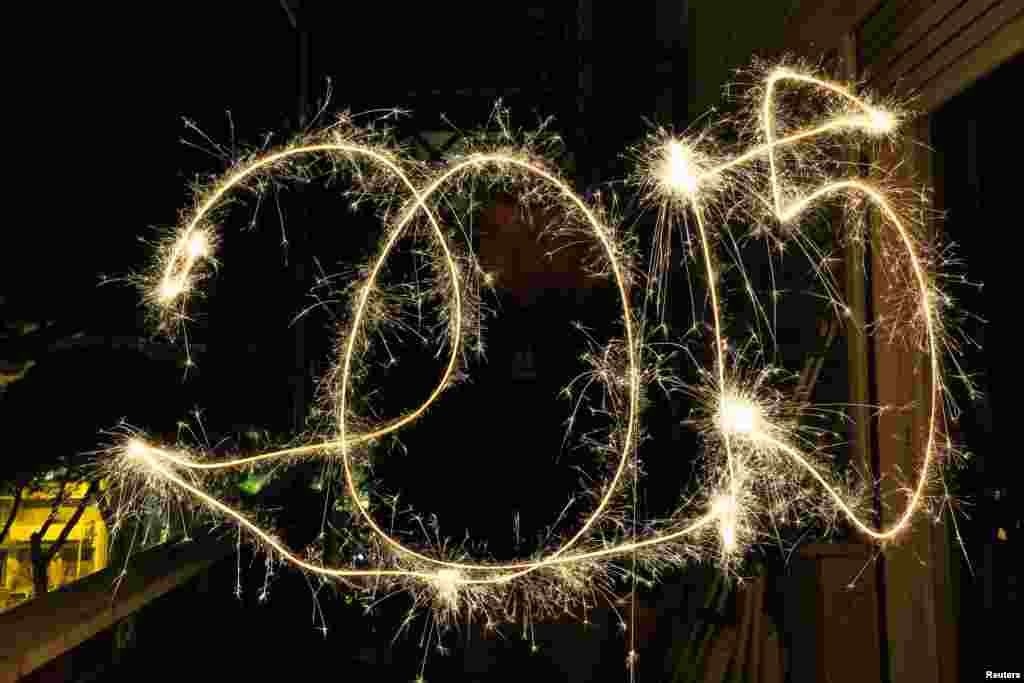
902,383
1000,47
877,34
913,33
834,618
855,291
956,35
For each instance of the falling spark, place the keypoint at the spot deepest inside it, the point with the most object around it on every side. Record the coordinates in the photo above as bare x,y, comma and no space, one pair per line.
724,508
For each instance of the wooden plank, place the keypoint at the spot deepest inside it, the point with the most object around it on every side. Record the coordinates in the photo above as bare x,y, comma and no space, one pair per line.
856,295
915,32
849,646
802,619
877,34
944,46
759,632
1000,48
971,64
834,622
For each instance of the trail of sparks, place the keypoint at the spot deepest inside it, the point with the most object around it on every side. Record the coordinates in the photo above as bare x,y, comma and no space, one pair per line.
743,423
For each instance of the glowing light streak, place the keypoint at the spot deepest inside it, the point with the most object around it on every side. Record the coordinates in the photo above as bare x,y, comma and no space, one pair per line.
740,421
175,278
725,509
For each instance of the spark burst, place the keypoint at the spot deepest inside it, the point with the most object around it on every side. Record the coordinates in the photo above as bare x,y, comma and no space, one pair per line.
760,462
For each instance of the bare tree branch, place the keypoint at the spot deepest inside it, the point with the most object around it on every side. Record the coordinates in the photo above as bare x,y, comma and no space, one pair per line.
14,513
71,523
58,503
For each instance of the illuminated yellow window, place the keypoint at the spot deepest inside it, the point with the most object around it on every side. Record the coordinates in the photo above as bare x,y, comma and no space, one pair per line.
85,551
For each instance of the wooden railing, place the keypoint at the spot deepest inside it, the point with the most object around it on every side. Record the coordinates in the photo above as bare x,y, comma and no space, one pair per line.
39,631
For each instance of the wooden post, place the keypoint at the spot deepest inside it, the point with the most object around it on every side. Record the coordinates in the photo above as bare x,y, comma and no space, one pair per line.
902,382
855,290
833,627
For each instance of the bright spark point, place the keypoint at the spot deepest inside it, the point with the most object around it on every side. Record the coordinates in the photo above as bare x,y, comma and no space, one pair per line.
447,583
170,290
679,173
198,245
135,449
873,121
881,122
739,416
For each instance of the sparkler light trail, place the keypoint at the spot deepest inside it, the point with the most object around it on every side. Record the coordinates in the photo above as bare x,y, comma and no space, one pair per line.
758,462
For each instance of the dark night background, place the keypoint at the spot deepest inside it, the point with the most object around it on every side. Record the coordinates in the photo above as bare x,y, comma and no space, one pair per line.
120,167
238,75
